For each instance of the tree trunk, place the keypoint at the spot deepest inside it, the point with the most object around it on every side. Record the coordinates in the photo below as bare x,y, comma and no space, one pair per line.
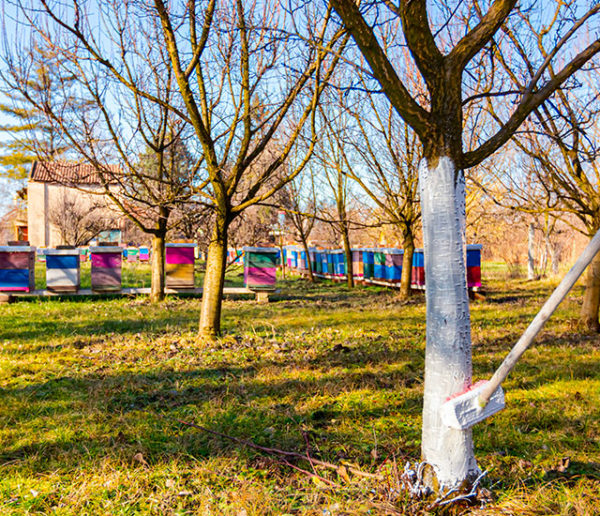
348,255
282,260
531,252
214,279
554,256
311,276
591,297
407,259
448,350
157,290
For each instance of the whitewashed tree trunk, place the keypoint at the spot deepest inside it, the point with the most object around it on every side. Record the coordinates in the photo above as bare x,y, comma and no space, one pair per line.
531,252
448,351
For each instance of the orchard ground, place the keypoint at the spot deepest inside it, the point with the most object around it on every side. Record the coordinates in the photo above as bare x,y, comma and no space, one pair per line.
91,391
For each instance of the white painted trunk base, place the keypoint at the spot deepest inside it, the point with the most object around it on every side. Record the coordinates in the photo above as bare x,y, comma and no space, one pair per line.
448,352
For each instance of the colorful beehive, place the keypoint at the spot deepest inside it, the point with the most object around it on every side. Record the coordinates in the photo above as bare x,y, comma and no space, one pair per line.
302,261
313,259
17,268
144,254
330,263
418,270
236,256
340,263
260,268
132,254
318,262
63,270
474,266
368,264
324,255
106,268
393,265
179,260
295,261
357,264
379,265
41,254
84,253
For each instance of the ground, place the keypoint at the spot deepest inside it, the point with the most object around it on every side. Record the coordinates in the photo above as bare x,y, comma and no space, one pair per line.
91,392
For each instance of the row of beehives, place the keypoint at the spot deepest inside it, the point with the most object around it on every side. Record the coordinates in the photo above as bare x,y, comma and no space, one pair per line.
130,254
63,268
374,265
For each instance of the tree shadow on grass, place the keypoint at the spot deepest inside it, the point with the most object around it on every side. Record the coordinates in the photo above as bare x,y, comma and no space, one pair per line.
139,411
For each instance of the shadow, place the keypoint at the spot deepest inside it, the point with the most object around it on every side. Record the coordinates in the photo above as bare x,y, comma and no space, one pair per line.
237,400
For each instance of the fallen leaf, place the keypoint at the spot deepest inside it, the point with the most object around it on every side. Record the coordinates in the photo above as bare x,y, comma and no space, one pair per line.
563,464
138,457
343,473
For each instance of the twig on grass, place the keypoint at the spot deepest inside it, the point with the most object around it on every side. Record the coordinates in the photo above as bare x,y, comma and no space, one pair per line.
443,500
274,451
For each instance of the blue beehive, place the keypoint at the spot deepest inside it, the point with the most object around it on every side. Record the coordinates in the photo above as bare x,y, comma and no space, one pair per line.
63,270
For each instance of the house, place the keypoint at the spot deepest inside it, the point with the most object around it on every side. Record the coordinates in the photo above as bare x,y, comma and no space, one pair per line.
13,224
67,204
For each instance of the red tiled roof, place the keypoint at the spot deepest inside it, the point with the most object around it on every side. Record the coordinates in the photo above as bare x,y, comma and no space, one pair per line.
70,173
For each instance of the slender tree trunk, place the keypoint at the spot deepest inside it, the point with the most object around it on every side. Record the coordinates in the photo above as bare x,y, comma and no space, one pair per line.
448,350
407,259
591,297
348,255
282,260
554,256
157,290
214,279
311,276
531,252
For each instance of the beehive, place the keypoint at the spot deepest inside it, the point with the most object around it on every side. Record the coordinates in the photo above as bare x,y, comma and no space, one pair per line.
379,264
144,254
106,268
418,270
179,260
260,268
393,265
17,268
474,265
63,270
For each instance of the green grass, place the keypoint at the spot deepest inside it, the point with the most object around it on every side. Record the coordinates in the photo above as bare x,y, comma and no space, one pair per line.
86,386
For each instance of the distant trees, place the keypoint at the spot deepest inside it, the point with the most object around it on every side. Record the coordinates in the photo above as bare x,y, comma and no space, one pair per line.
300,203
32,134
562,143
385,164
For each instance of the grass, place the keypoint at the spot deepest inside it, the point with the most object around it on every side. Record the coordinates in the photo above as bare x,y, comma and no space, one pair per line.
90,392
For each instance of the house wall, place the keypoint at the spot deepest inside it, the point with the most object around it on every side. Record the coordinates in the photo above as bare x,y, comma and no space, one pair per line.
42,198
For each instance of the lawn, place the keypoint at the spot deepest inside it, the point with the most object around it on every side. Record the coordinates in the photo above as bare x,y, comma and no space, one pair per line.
93,392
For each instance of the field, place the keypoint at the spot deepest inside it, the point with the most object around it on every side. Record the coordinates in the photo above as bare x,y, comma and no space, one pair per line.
93,393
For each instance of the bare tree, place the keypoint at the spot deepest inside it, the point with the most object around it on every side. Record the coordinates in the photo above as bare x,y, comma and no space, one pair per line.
562,144
79,220
388,153
456,52
225,60
300,203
